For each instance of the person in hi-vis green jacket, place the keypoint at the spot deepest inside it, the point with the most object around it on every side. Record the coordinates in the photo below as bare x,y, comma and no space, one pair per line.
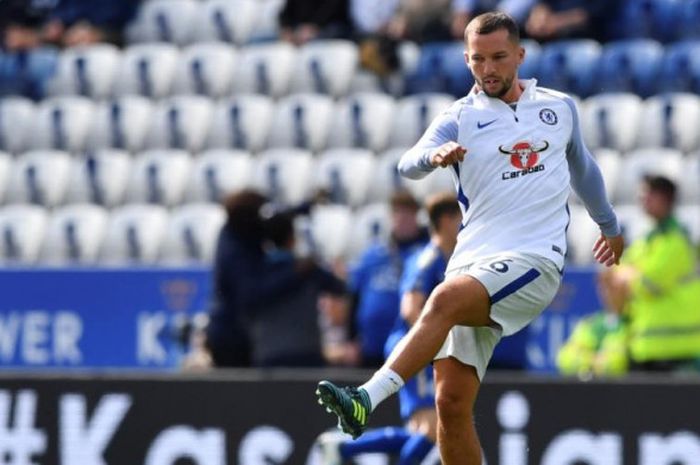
656,292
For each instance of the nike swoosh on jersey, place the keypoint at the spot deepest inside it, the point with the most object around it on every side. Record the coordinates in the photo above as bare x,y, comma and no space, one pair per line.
481,125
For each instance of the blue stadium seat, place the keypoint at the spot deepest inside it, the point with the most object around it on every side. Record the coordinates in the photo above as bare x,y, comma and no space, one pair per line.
27,73
689,21
630,66
533,54
656,19
441,68
570,66
680,70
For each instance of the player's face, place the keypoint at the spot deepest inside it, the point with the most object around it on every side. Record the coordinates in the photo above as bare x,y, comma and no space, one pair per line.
493,59
654,203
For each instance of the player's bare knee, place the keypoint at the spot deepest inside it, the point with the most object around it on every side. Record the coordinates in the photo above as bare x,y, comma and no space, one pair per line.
452,405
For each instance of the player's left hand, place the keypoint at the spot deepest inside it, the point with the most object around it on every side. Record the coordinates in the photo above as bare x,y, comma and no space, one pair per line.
608,249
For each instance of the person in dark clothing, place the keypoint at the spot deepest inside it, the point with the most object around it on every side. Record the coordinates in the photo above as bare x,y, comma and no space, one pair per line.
285,330
305,20
568,19
242,281
20,22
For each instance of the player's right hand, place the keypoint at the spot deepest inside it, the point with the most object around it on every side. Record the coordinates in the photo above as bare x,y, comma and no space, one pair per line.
447,154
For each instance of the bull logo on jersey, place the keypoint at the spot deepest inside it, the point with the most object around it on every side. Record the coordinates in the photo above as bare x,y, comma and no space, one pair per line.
524,155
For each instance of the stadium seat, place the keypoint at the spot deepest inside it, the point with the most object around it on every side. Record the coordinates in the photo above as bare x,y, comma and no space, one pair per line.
325,67
159,176
100,177
180,122
284,175
39,177
217,173
689,19
165,21
364,81
206,69
630,66
656,19
689,217
147,69
636,164
134,235
345,174
241,122
581,236
63,123
17,116
27,72
633,221
680,68
413,116
5,170
88,71
330,230
609,161
226,21
671,120
74,235
690,181
570,66
302,121
21,233
265,69
121,123
611,121
530,68
371,224
362,120
386,179
441,68
267,21
191,234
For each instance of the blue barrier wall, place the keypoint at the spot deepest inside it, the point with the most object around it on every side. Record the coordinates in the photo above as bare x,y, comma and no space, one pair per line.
125,318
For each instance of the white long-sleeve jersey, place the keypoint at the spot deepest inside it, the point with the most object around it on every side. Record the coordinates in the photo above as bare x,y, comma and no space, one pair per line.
513,185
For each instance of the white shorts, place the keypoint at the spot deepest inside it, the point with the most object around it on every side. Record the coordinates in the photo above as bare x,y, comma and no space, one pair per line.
520,286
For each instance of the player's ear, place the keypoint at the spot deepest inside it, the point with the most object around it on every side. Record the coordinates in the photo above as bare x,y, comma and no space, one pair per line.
466,58
521,54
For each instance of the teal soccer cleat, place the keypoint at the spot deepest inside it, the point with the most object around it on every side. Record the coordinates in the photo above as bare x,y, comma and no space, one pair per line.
349,404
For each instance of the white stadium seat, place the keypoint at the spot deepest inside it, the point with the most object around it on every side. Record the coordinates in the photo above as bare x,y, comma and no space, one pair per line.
206,69
180,122
689,217
134,235
414,114
241,122
671,120
226,20
5,171
611,121
21,233
267,21
63,123
345,174
147,69
284,175
689,184
636,164
159,176
581,234
371,224
165,21
302,121
192,234
609,161
330,228
265,69
325,67
387,180
122,123
100,177
74,235
363,120
87,70
217,173
39,177
17,116
633,221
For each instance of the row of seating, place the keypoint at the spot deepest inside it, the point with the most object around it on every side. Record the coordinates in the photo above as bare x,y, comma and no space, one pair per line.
315,122
582,67
352,177
147,234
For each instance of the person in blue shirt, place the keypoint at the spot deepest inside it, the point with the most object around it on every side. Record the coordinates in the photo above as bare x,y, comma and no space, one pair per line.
374,281
424,270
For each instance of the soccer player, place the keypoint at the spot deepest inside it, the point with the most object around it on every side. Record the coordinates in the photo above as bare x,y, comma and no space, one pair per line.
424,271
513,148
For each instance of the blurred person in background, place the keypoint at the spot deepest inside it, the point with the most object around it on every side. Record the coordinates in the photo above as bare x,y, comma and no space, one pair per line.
304,20
464,10
425,269
21,21
568,19
374,280
286,330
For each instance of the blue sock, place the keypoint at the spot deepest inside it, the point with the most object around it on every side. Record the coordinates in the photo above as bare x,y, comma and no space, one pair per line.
389,440
415,449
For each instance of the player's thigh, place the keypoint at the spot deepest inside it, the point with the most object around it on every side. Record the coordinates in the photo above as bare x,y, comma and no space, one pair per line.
456,384
464,299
